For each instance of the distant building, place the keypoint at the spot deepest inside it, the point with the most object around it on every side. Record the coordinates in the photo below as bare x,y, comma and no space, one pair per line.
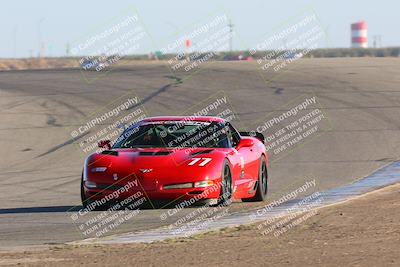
359,35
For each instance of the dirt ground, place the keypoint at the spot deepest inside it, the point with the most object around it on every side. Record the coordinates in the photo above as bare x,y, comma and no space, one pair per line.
361,232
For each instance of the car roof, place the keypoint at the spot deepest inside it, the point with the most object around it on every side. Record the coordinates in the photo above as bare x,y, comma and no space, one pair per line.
184,118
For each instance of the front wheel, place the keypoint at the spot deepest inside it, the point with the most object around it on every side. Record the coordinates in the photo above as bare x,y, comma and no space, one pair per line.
84,199
262,183
225,196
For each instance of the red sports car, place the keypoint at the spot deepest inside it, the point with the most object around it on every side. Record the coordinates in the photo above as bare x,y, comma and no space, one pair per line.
178,158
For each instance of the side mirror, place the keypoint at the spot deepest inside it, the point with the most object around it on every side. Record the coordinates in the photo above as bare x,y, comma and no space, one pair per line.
104,144
245,142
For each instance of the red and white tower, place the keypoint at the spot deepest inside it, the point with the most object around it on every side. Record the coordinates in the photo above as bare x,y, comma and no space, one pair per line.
359,36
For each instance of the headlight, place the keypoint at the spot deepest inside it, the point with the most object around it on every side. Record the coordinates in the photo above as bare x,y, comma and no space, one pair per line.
178,186
99,169
90,184
203,184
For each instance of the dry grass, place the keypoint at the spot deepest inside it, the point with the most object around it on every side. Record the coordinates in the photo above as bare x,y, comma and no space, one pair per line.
24,64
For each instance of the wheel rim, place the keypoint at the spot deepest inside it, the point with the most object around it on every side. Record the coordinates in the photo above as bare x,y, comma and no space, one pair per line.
227,184
264,179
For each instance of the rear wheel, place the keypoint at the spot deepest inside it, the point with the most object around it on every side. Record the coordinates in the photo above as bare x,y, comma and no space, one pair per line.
225,196
262,183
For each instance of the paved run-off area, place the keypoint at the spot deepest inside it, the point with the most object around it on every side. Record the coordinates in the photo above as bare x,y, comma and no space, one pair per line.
41,166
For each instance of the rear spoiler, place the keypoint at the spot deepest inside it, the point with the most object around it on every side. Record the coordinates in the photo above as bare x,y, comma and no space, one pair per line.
257,135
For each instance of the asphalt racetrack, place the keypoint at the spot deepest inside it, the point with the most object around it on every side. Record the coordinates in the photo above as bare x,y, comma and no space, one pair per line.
41,164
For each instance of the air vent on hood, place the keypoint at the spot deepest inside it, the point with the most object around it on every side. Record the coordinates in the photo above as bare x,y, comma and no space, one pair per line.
157,153
110,152
202,152
162,153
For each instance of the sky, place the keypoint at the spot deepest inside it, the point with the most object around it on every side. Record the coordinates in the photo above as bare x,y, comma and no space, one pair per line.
28,25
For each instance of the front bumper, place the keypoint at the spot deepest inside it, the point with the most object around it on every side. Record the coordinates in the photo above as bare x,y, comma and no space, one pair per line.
119,192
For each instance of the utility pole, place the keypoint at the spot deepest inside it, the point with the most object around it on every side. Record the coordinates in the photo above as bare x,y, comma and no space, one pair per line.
377,41
39,37
15,42
230,25
68,50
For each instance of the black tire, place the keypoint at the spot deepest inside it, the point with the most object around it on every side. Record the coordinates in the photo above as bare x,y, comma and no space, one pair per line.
262,183
83,196
86,201
225,195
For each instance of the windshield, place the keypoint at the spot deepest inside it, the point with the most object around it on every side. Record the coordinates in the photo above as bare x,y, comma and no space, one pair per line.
174,135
